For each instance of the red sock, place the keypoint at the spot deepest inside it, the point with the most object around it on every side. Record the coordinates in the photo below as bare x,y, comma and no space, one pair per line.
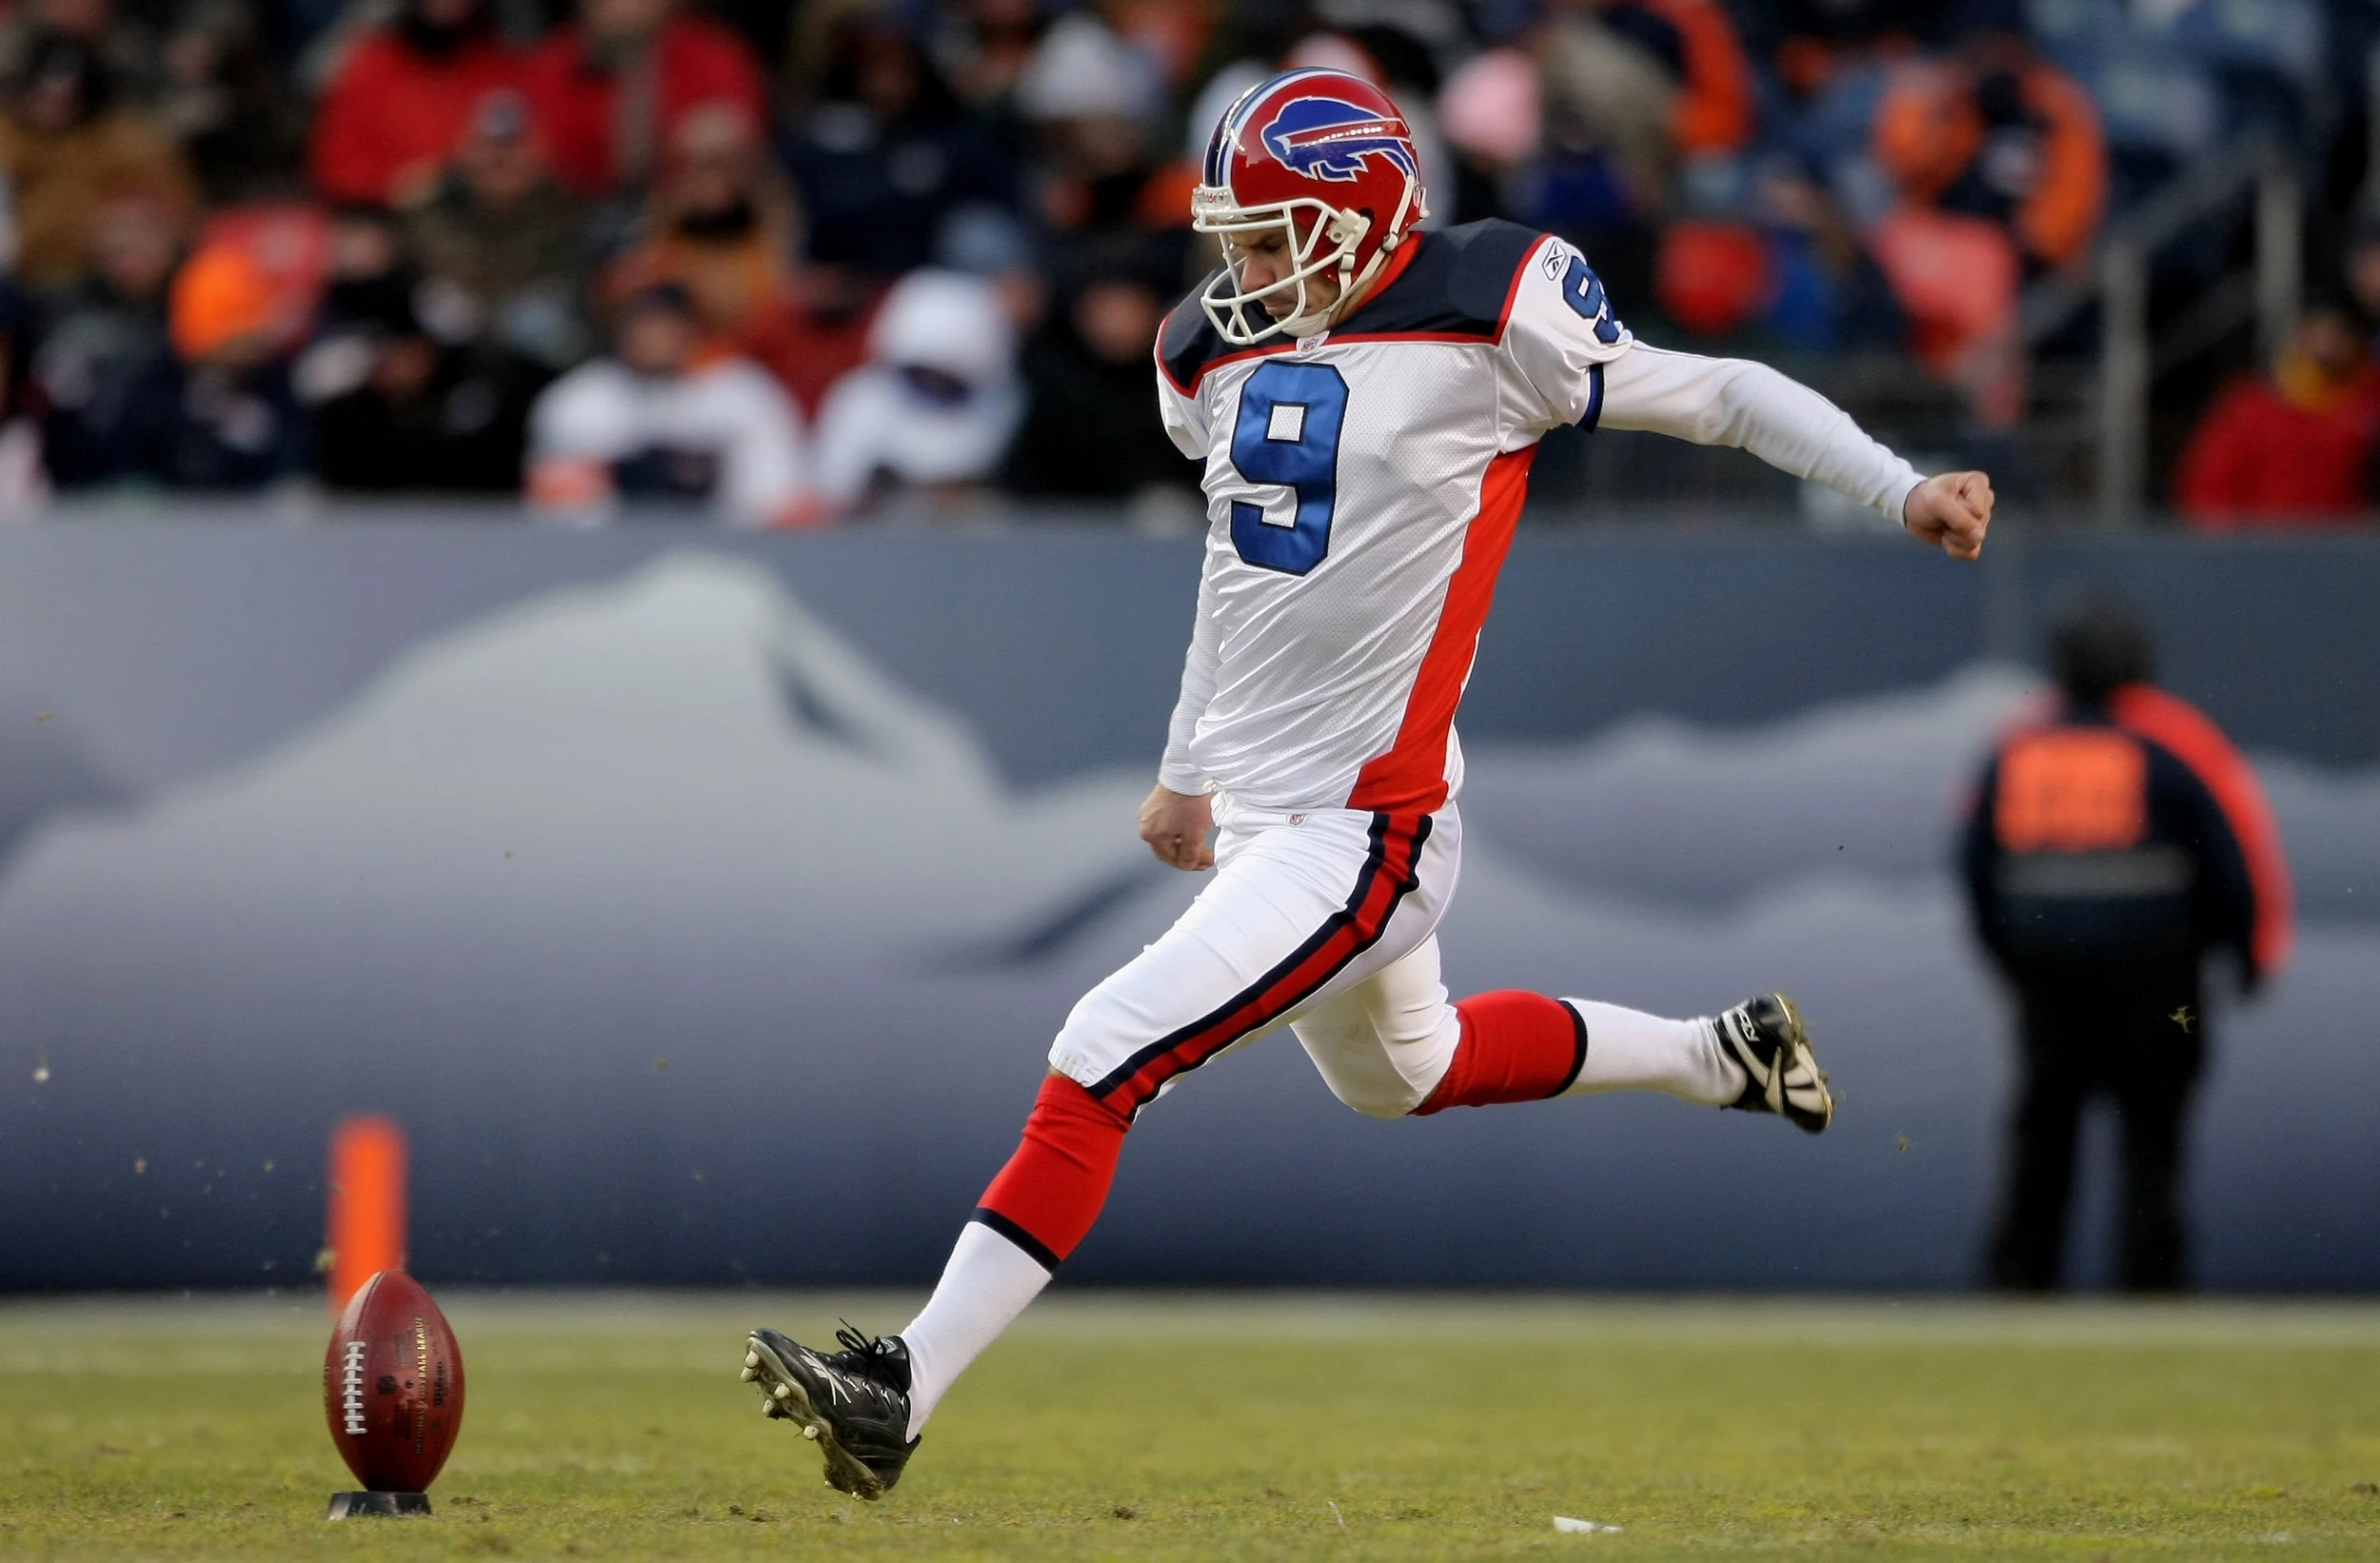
1515,1047
1045,1199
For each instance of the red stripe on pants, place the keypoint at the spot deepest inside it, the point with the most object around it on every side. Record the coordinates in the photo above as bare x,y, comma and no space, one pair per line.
1388,876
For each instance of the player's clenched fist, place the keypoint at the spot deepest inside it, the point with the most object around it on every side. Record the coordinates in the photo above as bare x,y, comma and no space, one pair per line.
1175,825
1952,511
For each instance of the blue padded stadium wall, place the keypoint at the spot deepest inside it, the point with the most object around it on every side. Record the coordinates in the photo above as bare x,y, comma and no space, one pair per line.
702,906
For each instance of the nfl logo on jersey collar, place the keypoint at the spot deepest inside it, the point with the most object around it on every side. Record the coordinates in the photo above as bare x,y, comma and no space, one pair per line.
1307,343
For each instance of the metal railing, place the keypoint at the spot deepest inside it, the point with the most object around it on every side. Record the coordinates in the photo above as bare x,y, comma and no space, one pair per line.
2257,166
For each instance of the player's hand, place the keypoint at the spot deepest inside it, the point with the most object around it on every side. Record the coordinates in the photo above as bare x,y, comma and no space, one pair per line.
1952,511
1175,825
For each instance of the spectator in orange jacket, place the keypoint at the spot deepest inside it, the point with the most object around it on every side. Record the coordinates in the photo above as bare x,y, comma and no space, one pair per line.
399,101
621,55
2294,447
723,225
2001,133
720,223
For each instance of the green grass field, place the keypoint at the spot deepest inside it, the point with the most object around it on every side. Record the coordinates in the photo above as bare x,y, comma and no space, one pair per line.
613,1426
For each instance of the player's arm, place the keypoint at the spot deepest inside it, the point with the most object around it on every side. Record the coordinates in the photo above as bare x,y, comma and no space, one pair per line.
1577,364
1178,815
1733,402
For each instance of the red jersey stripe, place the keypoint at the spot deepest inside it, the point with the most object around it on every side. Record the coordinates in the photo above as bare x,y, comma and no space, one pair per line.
1512,293
1411,776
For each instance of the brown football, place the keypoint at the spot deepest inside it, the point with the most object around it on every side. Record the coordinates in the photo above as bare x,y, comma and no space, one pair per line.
392,1385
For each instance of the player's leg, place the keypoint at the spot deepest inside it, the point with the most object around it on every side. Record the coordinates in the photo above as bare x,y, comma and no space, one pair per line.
1299,906
1393,1044
1384,1043
1396,1045
1514,1044
1296,910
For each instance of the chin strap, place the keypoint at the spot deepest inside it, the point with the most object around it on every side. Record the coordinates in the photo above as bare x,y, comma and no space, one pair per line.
1350,294
1412,208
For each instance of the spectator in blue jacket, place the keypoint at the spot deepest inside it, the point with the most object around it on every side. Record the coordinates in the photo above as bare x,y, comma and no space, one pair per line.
218,412
885,150
104,340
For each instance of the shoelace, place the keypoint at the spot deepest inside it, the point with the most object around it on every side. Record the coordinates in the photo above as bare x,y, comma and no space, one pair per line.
865,1351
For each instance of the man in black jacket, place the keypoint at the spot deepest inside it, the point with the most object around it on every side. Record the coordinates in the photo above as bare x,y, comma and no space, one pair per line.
1091,430
2112,844
399,410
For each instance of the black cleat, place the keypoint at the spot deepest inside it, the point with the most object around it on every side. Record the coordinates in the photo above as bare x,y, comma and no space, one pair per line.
1781,1076
854,1403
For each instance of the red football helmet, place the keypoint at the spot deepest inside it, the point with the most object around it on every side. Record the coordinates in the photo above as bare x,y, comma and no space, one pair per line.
1323,155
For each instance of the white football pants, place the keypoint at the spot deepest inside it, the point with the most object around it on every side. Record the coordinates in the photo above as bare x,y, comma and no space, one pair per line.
1325,921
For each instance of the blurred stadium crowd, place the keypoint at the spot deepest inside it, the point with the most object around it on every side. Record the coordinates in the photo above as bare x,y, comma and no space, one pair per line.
786,263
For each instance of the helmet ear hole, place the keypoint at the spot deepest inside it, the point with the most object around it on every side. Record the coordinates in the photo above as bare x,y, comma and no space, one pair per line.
1348,227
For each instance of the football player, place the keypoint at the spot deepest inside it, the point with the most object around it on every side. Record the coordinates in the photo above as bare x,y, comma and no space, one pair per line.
1365,399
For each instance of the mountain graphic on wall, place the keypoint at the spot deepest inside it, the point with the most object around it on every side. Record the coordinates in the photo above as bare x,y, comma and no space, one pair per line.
689,947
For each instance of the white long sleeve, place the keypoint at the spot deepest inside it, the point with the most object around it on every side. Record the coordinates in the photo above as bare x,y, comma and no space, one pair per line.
1176,773
1731,401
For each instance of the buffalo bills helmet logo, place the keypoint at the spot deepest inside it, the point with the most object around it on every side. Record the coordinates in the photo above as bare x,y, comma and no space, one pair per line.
1326,138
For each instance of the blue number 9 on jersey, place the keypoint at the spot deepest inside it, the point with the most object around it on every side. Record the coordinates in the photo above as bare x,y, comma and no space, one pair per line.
1290,415
1583,291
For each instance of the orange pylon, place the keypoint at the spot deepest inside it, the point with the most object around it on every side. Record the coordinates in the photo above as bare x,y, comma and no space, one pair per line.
366,1226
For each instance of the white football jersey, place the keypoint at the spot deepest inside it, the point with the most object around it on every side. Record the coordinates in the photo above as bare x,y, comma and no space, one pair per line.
1363,487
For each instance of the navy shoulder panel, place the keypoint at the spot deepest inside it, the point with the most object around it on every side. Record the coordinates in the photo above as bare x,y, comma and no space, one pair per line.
1456,286
1188,340
1492,251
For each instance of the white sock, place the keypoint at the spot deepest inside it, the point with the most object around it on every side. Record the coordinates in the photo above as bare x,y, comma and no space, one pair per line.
1628,1050
983,1288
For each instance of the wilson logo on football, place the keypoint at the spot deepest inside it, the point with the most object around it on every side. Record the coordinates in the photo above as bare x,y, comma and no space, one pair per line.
1326,138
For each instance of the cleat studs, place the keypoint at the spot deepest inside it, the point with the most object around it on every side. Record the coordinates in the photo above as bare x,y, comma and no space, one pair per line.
810,1429
751,1359
783,1391
751,1374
